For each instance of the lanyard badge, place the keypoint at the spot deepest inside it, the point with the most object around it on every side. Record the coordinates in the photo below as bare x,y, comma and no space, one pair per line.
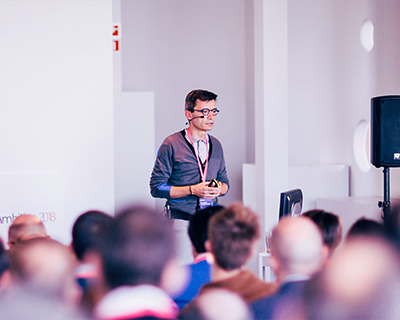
203,203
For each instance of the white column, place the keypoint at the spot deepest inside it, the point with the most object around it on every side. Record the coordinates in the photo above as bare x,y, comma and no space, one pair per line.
271,106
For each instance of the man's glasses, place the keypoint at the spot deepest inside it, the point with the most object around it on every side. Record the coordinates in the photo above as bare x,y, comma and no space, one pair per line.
207,111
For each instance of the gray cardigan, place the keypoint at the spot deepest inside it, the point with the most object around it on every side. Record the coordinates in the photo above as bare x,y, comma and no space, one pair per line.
176,165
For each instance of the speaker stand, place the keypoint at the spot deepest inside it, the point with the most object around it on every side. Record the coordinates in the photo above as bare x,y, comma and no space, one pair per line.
385,205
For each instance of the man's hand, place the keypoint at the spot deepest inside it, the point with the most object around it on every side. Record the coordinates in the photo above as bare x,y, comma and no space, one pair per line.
202,190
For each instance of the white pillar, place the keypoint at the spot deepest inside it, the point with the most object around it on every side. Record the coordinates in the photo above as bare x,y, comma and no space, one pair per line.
271,106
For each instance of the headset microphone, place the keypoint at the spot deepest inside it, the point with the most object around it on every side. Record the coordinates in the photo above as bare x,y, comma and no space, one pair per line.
187,122
201,117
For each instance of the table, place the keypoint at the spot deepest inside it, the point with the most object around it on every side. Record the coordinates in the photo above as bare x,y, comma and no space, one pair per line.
264,270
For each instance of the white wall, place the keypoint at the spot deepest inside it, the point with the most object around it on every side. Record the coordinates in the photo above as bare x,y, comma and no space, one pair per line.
134,132
332,79
133,147
272,147
56,114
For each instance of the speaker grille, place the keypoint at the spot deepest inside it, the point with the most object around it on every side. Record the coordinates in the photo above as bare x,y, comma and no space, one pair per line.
385,131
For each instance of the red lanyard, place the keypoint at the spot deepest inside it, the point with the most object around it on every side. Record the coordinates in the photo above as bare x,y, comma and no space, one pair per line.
202,173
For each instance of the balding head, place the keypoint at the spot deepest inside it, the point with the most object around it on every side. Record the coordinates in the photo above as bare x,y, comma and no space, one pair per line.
296,247
361,282
43,266
25,227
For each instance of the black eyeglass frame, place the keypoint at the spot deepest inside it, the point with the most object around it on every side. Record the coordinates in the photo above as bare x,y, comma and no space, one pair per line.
207,111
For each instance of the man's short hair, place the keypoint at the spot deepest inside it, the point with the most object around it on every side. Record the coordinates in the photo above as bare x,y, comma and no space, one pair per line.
88,230
364,227
198,227
232,233
136,248
329,224
202,95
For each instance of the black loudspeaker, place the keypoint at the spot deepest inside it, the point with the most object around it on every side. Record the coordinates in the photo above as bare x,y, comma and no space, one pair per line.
385,131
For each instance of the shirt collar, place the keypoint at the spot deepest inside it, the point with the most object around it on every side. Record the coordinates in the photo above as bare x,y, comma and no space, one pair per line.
194,139
295,277
136,301
204,256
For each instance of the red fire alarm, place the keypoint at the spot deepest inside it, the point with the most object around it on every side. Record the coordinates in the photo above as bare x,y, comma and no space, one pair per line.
116,31
116,45
116,35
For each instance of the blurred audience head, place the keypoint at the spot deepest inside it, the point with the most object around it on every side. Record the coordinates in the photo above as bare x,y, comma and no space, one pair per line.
45,267
362,282
296,247
25,227
366,228
198,228
87,232
4,268
4,260
392,224
137,248
217,304
330,226
233,234
41,282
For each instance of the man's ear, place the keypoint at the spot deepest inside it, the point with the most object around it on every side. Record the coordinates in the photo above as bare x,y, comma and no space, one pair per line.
325,252
207,245
174,277
188,114
5,280
274,264
194,252
254,249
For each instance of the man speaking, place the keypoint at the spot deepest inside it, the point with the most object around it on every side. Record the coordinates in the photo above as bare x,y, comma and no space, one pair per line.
190,168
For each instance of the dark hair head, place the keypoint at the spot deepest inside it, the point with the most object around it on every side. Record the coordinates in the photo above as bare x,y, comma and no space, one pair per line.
4,259
330,226
198,227
87,231
138,245
366,228
232,233
202,95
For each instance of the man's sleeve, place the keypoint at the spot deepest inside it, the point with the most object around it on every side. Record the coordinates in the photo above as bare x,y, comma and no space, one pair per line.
222,173
162,170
